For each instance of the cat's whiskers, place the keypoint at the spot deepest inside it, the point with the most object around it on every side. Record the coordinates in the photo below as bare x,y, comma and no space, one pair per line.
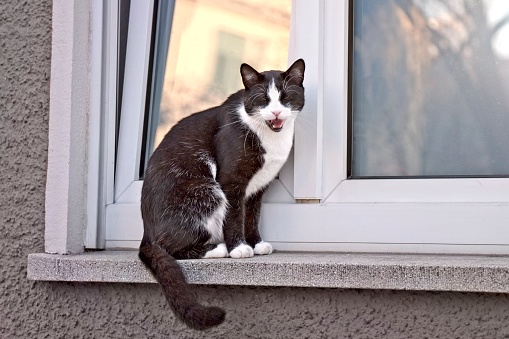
298,87
264,89
238,121
300,121
288,79
260,125
256,124
292,91
245,140
302,116
302,131
253,97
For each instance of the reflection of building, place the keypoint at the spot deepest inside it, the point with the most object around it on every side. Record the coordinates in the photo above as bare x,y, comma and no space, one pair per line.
209,40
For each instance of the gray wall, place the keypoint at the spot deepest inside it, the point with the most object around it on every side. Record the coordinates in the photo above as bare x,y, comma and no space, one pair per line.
88,310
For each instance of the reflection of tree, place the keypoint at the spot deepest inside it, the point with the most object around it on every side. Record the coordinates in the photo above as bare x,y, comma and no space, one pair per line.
433,98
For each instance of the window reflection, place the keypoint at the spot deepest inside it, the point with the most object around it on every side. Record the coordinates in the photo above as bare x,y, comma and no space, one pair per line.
209,40
430,88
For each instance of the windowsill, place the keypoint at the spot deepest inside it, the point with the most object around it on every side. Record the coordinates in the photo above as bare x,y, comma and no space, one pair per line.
301,269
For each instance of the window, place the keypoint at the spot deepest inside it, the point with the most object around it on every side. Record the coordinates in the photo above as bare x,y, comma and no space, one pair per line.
190,61
331,195
429,89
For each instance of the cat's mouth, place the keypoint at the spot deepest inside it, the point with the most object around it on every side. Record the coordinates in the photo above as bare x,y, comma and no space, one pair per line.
275,124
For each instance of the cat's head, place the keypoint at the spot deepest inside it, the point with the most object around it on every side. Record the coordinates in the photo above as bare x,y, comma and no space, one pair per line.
273,98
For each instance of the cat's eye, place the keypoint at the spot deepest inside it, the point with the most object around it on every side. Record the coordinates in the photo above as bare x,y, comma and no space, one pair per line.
261,100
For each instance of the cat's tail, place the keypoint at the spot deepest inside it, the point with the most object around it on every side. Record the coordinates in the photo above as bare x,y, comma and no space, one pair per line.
168,273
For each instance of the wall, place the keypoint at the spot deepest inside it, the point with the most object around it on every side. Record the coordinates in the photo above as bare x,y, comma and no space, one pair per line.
80,310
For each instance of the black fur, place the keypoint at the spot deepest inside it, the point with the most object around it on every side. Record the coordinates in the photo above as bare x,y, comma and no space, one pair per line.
180,191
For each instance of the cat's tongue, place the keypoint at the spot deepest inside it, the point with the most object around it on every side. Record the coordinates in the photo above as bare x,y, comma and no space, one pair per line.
276,124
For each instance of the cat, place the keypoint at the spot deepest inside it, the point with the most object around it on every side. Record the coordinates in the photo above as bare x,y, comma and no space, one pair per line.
203,186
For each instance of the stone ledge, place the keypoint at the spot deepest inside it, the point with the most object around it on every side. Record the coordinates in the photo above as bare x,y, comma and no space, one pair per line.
328,270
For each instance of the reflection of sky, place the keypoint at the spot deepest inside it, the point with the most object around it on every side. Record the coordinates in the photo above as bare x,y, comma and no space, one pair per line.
498,10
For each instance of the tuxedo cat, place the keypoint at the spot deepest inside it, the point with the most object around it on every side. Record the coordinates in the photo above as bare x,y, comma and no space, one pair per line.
203,186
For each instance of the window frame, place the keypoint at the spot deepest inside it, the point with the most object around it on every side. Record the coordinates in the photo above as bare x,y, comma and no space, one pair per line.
133,101
123,214
102,118
66,216
81,133
454,200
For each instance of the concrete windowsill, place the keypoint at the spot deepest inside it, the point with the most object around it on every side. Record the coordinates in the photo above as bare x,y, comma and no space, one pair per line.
330,270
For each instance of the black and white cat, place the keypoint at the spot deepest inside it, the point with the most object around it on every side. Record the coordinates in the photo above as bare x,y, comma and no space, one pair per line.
203,186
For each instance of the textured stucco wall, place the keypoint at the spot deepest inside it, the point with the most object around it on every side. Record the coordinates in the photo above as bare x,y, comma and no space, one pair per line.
79,310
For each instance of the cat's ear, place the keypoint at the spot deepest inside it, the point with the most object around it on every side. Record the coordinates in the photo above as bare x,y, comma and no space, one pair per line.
250,76
295,74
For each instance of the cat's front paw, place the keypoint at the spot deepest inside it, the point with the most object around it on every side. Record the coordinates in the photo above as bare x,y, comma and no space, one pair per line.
219,252
263,248
242,251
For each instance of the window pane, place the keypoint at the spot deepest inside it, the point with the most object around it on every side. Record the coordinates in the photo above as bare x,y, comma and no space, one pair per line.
209,41
430,85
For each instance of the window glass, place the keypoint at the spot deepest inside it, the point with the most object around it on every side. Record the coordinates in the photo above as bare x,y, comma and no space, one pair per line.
208,41
430,84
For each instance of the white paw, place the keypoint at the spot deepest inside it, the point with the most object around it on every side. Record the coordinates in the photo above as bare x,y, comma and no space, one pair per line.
263,248
242,251
219,252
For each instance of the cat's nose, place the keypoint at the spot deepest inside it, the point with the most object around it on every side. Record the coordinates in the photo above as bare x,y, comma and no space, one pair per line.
276,113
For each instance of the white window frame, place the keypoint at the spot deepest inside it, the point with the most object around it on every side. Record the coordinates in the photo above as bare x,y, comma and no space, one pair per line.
123,217
81,134
102,129
390,215
400,215
65,215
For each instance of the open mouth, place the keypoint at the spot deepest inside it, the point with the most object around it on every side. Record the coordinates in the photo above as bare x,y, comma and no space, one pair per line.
275,124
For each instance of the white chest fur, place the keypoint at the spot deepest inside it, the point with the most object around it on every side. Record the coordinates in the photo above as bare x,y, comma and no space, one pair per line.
274,159
277,147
